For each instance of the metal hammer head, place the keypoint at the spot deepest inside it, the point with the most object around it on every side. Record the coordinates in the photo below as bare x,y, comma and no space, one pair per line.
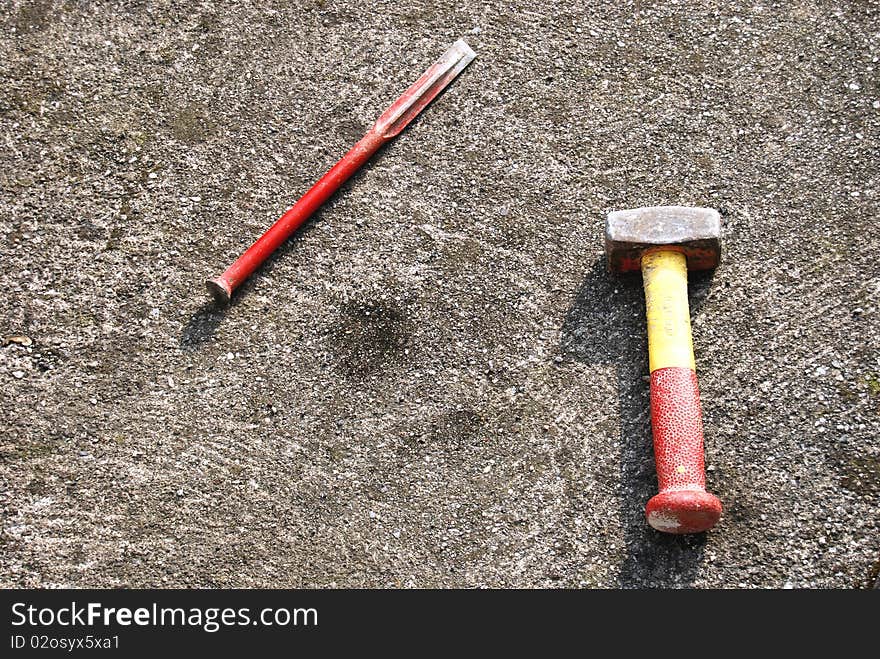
696,232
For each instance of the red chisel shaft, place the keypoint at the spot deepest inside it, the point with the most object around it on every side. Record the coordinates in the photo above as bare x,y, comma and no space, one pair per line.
386,128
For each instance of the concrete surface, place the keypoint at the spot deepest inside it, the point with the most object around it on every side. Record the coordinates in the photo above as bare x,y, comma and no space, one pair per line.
435,384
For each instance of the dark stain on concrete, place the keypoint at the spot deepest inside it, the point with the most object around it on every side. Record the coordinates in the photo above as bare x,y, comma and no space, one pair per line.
369,335
192,124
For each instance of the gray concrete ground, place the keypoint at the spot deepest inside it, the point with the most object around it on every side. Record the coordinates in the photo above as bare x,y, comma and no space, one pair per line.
435,383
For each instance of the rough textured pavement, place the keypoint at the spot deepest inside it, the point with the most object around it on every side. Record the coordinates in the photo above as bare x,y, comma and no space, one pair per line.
436,383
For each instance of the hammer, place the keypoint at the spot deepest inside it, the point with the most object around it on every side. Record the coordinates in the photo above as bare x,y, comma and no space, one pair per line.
664,242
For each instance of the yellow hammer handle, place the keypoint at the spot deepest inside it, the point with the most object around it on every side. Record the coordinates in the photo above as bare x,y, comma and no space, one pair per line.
666,301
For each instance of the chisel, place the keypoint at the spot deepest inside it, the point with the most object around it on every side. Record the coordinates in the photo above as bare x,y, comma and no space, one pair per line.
387,127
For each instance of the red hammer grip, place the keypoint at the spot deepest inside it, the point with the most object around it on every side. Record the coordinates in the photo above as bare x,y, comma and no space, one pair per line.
683,505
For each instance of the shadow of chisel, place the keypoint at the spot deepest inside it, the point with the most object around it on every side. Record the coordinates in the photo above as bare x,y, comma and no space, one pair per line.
605,325
201,326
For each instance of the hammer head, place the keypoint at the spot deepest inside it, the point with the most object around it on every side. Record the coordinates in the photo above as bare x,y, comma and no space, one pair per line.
696,232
